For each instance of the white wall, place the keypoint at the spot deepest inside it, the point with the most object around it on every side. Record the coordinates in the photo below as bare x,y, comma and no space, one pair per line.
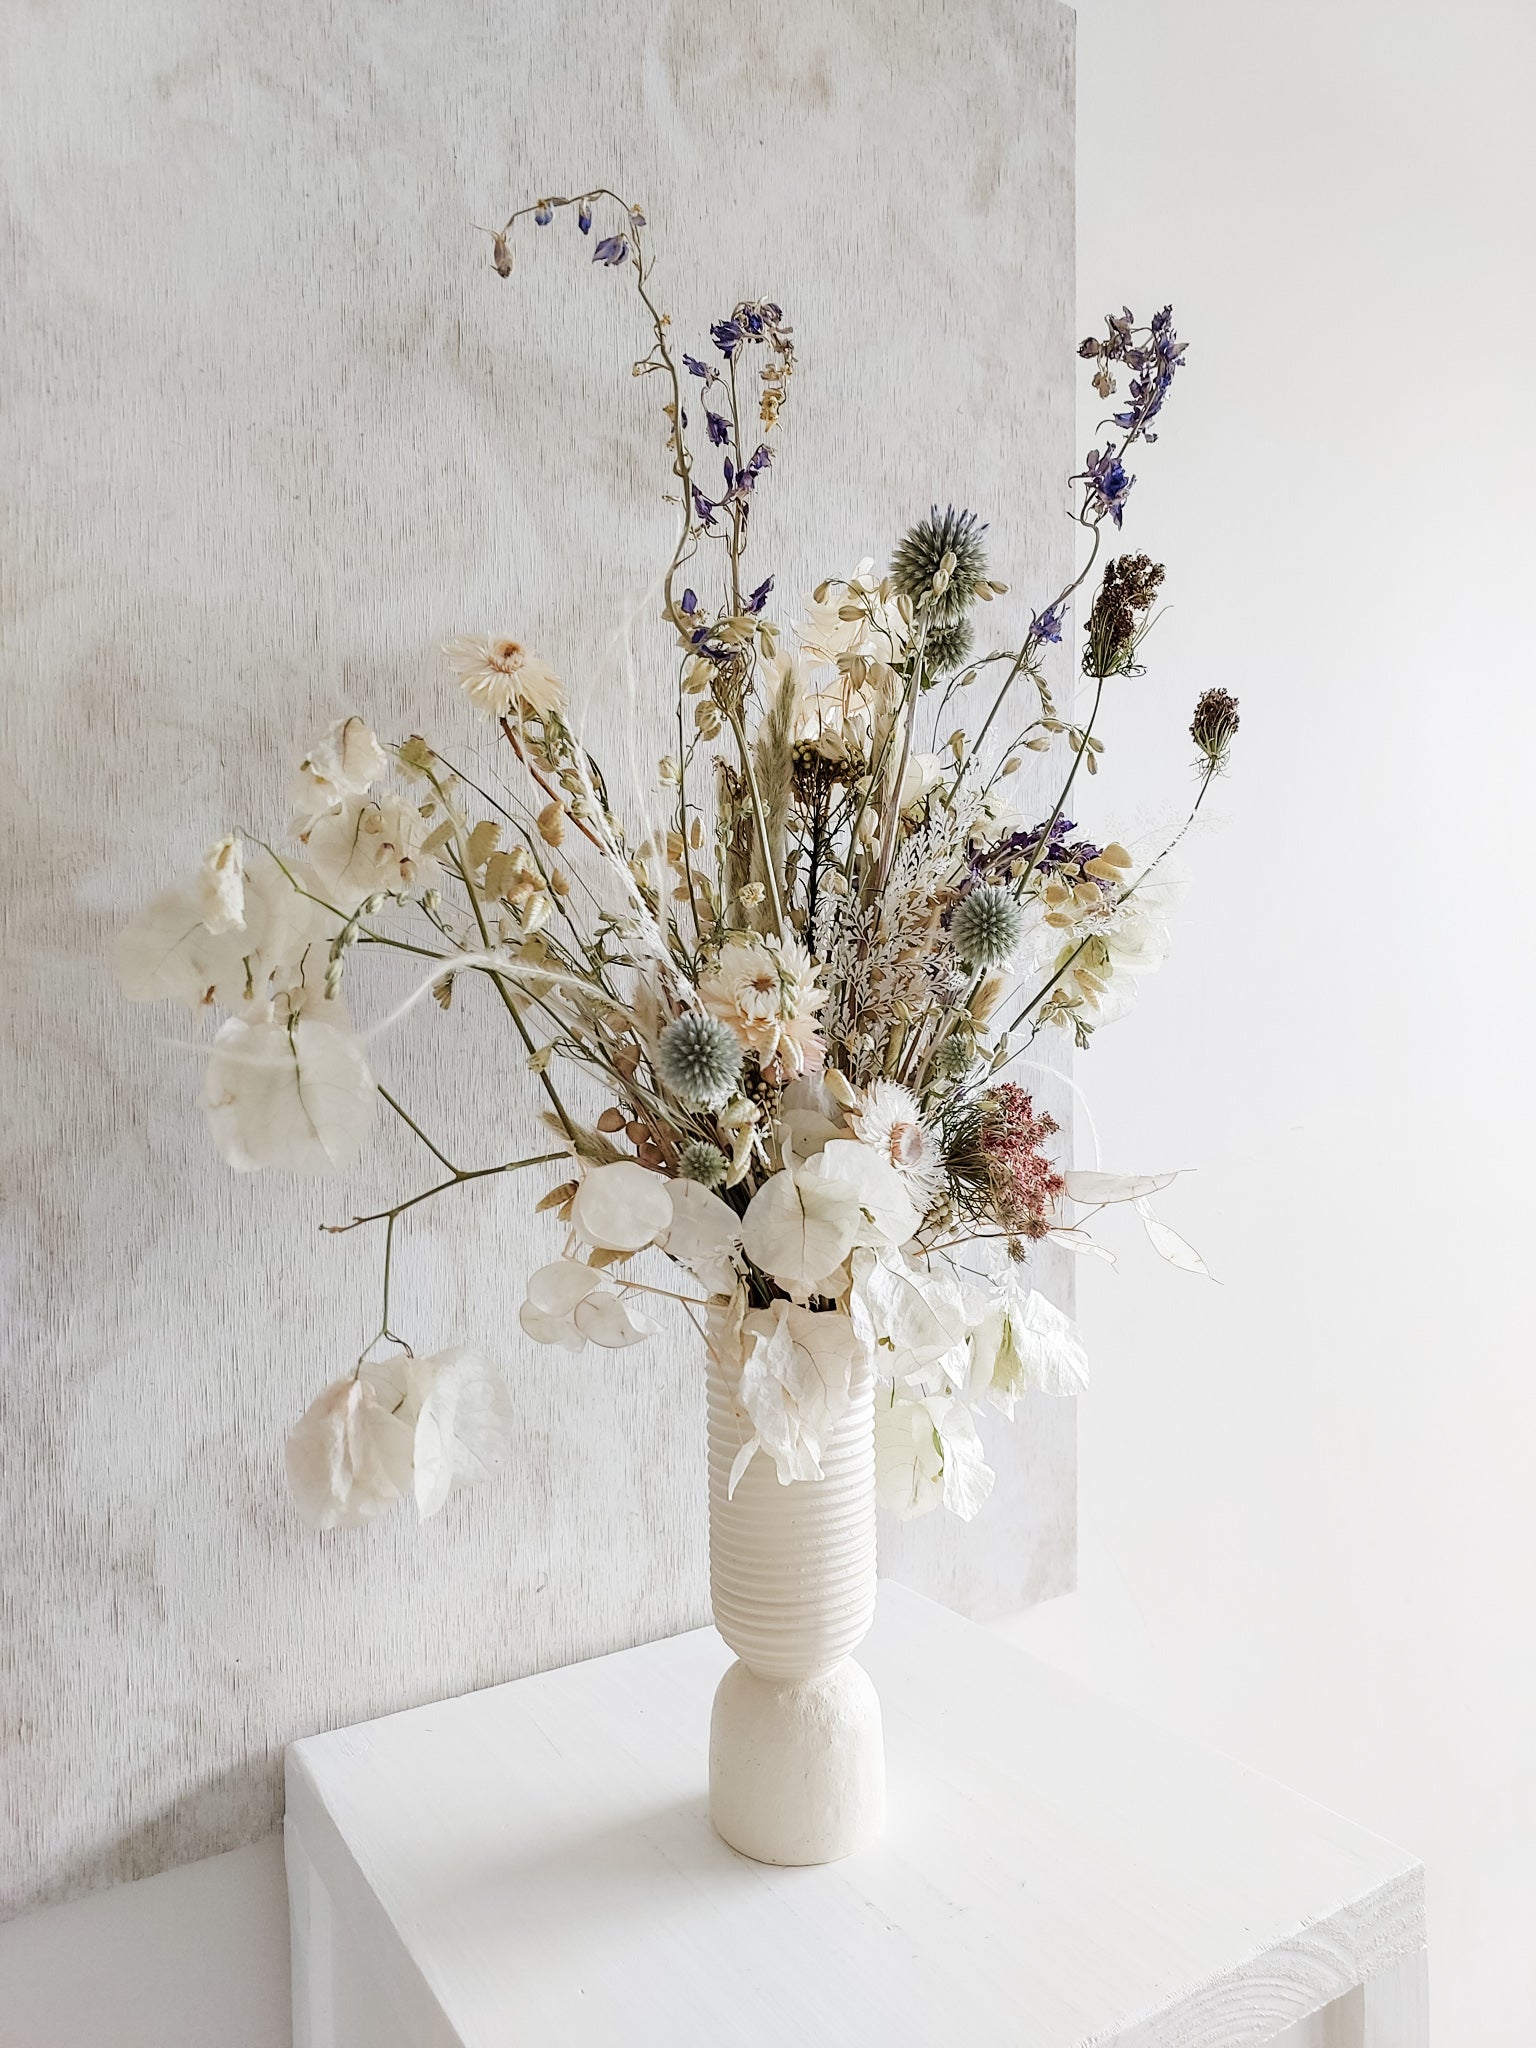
274,427
193,1958
1307,1524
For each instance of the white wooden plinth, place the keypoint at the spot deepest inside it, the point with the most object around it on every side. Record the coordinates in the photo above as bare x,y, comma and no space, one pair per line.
534,1864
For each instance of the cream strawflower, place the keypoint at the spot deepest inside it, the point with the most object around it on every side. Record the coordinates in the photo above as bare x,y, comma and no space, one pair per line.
501,676
890,1121
766,991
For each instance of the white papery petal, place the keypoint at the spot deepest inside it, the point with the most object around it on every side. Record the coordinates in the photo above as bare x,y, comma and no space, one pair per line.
797,1382
1094,1188
608,1321
460,1413
367,844
1168,1244
967,1478
800,1228
909,1462
168,954
556,1288
1080,1242
221,886
810,1115
622,1207
347,762
545,1328
1050,1351
879,1190
298,1097
906,1318
704,1235
348,1457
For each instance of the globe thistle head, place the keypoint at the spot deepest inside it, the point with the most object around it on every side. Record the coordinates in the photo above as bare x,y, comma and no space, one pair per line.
986,929
946,647
953,1057
703,1162
699,1059
1215,726
922,556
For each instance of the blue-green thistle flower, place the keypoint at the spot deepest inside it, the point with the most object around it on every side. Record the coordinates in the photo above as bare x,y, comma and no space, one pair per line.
699,1060
986,929
921,554
703,1162
953,1058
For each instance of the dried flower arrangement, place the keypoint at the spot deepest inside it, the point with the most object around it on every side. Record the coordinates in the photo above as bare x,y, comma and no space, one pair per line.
791,988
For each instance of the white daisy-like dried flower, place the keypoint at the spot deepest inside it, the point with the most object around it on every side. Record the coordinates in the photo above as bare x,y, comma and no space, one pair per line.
890,1120
501,676
766,991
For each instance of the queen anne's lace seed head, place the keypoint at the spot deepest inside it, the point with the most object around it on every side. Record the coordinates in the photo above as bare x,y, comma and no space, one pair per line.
703,1162
699,1059
987,928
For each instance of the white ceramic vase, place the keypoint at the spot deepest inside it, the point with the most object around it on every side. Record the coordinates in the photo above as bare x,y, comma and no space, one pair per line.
796,1754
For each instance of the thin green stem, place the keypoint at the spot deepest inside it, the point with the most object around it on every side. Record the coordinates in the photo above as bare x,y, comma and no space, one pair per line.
411,1124
455,1179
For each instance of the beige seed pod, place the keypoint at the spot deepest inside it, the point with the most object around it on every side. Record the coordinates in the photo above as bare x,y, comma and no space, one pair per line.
483,842
552,822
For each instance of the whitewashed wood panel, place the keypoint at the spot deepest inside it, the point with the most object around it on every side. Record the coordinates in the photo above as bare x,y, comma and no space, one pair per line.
273,429
536,1865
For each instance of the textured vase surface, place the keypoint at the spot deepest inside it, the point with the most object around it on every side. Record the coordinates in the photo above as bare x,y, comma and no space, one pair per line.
796,1758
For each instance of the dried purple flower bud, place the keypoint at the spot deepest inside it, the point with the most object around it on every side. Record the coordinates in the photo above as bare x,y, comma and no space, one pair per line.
584,216
612,250
543,214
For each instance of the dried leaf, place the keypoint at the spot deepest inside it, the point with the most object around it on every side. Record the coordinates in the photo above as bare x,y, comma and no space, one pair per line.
1169,1245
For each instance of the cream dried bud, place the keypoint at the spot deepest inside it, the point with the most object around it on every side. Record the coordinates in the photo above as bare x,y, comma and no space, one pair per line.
552,822
841,1089
1012,765
667,771
483,842
536,912
750,894
438,837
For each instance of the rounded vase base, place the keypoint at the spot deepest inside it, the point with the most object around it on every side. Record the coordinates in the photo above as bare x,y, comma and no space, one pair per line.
797,1768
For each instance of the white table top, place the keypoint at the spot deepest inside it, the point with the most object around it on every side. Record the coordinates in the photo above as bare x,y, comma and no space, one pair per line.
534,1863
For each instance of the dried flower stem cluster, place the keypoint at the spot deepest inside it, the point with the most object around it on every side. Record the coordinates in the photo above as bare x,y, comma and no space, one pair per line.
790,989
